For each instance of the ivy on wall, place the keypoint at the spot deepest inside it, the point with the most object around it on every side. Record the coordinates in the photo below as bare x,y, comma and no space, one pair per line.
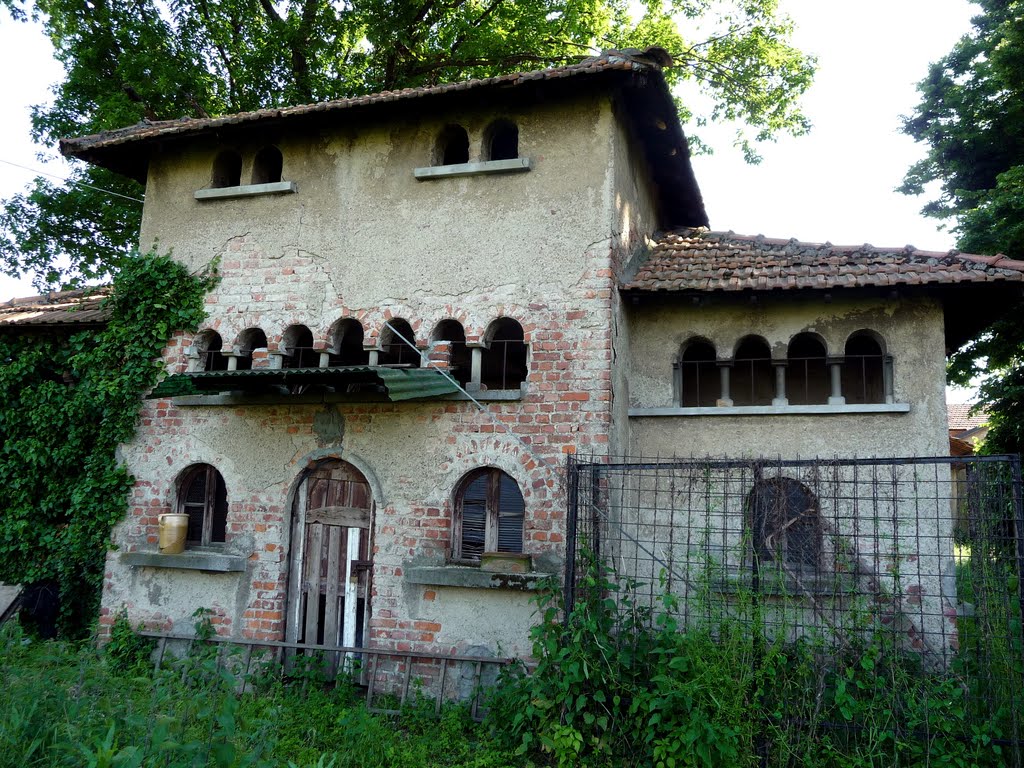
65,406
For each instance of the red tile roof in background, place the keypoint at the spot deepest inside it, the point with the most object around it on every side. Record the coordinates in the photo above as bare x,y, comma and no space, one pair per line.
57,308
960,419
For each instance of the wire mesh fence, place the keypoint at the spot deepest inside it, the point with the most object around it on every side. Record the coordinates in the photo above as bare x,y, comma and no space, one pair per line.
884,594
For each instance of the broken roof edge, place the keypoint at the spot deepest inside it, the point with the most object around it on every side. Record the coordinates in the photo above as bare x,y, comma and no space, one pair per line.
80,306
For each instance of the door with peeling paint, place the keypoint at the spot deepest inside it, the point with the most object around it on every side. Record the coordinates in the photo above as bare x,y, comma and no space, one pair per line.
330,568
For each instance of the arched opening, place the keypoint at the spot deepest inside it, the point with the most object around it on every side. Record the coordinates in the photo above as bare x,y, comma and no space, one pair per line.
503,364
501,141
459,358
398,345
863,369
248,340
267,165
752,379
807,381
347,345
203,497
208,345
699,380
297,345
489,514
785,522
452,146
227,169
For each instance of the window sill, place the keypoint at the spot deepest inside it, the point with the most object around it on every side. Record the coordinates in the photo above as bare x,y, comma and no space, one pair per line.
469,577
774,410
247,190
483,168
194,560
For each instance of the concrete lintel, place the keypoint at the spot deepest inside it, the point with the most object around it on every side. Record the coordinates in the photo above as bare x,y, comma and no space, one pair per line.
468,577
773,410
247,190
482,168
485,395
186,561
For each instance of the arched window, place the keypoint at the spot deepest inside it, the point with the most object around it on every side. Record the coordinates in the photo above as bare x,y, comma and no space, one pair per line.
266,166
452,146
863,369
785,524
227,169
297,344
501,141
503,365
489,515
699,380
347,345
203,497
248,340
395,346
450,332
208,345
807,381
752,379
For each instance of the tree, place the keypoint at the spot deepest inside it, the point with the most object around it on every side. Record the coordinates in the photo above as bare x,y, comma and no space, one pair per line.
152,59
971,119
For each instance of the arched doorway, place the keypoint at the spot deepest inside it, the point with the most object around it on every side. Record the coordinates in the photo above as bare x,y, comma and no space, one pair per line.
331,557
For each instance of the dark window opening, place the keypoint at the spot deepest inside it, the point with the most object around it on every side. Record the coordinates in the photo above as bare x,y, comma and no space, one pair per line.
502,140
863,370
489,515
700,381
203,497
250,339
503,364
753,381
267,165
785,523
209,345
348,345
398,346
297,346
452,146
807,378
227,170
460,360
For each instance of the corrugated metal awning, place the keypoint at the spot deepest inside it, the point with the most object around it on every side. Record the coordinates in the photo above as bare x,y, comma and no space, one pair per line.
396,383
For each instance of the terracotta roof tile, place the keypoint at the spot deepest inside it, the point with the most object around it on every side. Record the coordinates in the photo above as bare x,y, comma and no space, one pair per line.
961,419
701,260
66,308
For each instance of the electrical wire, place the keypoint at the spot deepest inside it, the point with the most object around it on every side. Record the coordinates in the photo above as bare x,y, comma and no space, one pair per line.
72,181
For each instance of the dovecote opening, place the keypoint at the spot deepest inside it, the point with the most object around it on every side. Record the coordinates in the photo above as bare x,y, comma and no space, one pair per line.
267,166
452,146
395,349
227,170
248,340
347,344
501,141
297,345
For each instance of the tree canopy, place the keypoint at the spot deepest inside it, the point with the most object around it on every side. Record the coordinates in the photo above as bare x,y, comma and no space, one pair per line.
971,119
163,59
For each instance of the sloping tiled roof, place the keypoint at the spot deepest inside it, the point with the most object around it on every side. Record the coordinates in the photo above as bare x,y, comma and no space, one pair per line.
58,308
960,419
701,260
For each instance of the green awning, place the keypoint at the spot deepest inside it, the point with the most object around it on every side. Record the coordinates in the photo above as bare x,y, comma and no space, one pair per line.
395,383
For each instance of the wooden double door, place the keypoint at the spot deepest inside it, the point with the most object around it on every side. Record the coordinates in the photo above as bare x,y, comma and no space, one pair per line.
331,558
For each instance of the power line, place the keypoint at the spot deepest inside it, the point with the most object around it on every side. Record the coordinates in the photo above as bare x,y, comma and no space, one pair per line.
72,181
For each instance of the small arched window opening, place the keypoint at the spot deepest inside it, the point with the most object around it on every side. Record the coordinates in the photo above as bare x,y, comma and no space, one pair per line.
398,345
203,497
501,141
347,347
457,355
785,524
227,169
807,380
752,379
208,346
267,165
489,514
452,146
248,340
297,345
503,364
863,369
699,380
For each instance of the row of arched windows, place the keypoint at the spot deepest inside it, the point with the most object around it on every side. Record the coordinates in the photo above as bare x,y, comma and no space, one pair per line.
500,142
807,375
267,166
502,360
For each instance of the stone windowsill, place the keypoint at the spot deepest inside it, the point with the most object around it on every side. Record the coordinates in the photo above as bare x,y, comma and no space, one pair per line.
189,560
490,395
247,190
470,577
482,168
774,410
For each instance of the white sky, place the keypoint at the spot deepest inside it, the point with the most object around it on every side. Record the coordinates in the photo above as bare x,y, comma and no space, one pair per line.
835,184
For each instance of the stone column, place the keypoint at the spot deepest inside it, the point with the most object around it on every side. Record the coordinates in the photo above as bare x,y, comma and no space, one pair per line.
476,366
325,359
780,383
835,373
887,379
725,396
374,357
232,357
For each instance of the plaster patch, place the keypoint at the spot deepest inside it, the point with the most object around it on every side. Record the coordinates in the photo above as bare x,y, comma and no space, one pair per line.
328,427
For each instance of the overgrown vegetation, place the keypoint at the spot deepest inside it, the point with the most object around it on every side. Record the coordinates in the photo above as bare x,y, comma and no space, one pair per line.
65,405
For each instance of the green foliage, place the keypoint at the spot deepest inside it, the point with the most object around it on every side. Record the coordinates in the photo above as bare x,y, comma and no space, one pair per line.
157,61
65,406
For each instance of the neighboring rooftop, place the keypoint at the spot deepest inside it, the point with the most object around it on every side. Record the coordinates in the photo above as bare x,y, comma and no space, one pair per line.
961,419
57,308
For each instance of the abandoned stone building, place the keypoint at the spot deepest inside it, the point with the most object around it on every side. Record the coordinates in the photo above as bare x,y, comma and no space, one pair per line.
429,299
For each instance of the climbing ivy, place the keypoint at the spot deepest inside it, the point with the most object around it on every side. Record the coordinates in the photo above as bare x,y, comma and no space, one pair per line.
66,403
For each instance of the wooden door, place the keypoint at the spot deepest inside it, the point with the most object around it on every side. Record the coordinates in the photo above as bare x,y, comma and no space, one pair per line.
331,558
